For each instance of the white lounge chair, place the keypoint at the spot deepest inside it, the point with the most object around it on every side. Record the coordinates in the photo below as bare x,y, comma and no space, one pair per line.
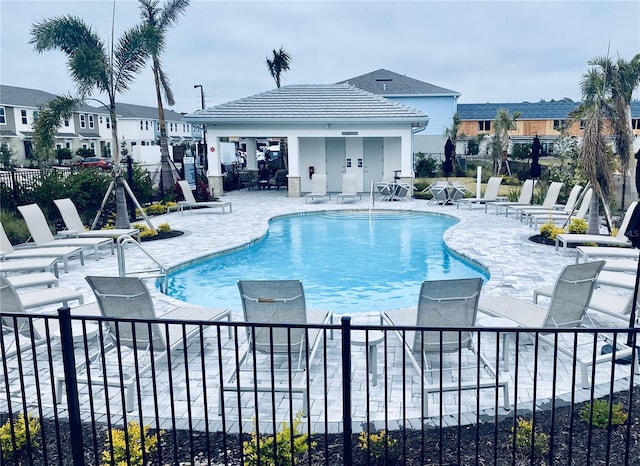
562,217
523,214
76,228
42,236
269,302
61,253
567,309
318,188
43,264
526,194
490,194
27,280
191,203
618,240
586,253
549,202
31,328
129,298
448,304
349,189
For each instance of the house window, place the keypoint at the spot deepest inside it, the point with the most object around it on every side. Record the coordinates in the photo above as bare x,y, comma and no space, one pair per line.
84,146
3,117
157,126
67,144
635,123
58,146
558,125
100,119
146,125
141,125
484,125
108,120
83,120
35,116
92,144
23,116
66,122
92,123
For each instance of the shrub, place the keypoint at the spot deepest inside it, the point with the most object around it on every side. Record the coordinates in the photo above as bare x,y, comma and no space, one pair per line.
578,226
277,449
376,443
524,436
164,227
600,417
15,228
134,448
550,230
425,165
19,434
159,208
145,231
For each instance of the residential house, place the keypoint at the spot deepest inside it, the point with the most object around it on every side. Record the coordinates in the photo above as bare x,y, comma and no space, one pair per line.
438,103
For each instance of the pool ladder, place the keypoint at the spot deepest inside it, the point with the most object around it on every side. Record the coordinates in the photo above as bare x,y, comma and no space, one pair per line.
160,271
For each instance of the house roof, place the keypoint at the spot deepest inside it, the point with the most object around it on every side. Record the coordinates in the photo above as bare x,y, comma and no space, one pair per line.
528,110
310,103
387,83
141,111
33,98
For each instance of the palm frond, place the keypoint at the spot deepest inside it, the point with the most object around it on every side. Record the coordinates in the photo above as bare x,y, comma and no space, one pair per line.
166,86
64,33
130,55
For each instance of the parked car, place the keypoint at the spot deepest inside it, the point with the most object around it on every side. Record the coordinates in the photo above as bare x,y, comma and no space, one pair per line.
95,162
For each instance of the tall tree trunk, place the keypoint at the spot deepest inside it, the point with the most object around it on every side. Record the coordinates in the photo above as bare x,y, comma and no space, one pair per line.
122,214
593,224
167,182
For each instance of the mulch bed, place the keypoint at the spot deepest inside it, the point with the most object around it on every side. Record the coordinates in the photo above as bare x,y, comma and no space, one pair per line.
541,239
573,443
163,235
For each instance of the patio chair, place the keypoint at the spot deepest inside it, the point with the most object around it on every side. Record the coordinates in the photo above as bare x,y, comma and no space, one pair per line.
190,201
384,190
523,214
549,202
439,191
349,189
76,228
446,304
524,199
276,302
618,240
457,191
44,264
490,193
279,179
42,236
586,253
61,253
569,302
31,326
318,188
562,217
149,342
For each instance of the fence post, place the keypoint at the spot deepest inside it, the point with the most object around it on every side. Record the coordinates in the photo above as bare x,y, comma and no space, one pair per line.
346,390
71,385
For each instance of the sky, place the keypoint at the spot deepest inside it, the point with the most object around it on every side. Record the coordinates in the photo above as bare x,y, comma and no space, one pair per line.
488,51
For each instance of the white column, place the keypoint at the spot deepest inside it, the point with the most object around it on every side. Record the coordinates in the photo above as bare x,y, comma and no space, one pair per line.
293,147
252,163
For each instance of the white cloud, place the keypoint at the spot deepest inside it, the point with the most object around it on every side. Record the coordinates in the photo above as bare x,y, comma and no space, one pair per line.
488,51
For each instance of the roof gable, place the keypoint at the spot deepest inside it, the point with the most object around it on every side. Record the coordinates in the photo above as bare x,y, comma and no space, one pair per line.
312,102
385,82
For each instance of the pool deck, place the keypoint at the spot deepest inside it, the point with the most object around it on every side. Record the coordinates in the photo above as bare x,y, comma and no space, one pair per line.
517,267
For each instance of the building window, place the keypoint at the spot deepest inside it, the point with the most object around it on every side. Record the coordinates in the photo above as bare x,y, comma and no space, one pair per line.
92,123
35,116
559,125
66,122
3,117
484,125
635,123
58,146
157,126
146,125
84,146
92,144
583,123
141,125
67,144
108,120
100,119
83,120
23,116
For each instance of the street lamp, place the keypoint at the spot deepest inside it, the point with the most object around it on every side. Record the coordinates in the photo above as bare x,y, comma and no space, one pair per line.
203,155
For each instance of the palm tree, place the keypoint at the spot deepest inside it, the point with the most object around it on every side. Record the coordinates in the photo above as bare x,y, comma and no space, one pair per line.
159,20
94,67
46,125
501,127
594,111
278,64
622,78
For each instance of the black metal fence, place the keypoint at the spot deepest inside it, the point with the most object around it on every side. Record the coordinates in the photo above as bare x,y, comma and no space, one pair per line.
333,394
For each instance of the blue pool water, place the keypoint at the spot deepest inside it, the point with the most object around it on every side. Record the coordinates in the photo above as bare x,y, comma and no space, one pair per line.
348,262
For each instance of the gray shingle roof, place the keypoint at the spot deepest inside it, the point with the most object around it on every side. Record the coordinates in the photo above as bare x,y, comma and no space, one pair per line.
33,98
310,103
385,82
141,111
528,110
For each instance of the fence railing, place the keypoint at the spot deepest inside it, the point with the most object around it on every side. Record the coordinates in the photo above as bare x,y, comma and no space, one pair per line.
215,393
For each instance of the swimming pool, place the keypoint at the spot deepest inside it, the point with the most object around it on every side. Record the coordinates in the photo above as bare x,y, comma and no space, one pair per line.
349,262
